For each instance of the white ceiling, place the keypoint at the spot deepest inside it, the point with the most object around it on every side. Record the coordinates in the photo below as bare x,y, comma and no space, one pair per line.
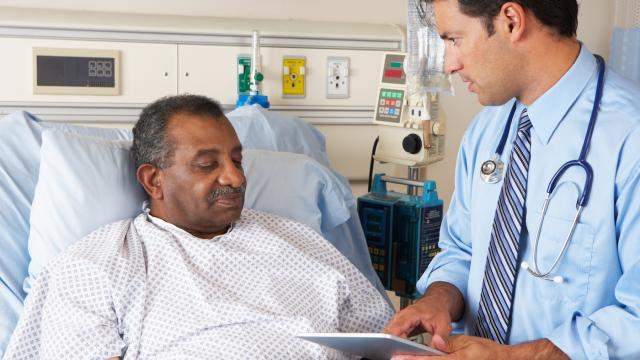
369,11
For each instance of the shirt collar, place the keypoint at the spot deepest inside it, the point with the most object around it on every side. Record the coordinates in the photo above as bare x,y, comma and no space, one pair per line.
174,229
547,111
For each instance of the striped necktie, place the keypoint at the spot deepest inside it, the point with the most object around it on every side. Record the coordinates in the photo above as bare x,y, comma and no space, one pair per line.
494,313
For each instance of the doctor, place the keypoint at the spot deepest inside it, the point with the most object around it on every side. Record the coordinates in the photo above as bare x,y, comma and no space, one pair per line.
567,286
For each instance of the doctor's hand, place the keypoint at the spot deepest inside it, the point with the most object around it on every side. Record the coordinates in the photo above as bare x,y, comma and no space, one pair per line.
433,313
463,347
472,347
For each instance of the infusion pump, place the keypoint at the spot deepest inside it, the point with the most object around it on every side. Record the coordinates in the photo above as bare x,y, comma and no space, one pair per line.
413,129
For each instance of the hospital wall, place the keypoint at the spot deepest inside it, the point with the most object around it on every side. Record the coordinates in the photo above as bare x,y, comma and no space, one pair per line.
349,142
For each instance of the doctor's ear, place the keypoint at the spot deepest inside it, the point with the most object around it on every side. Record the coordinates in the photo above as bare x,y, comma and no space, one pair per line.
150,177
514,20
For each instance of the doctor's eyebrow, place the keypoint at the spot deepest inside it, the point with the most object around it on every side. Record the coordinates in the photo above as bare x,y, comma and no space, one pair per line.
447,35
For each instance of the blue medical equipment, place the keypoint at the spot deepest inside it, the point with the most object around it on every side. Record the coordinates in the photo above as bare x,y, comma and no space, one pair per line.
491,172
402,232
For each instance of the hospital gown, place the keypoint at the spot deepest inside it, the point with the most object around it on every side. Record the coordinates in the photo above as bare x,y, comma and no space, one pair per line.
144,288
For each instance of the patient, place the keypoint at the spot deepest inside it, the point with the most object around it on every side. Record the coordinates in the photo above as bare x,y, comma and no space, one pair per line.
195,275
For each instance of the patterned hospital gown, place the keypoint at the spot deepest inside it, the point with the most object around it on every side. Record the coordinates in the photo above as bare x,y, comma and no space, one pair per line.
146,289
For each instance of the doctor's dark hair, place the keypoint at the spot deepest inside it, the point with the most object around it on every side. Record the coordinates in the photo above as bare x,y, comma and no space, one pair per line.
150,145
559,15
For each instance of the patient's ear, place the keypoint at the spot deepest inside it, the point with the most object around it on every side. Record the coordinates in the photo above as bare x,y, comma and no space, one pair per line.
150,177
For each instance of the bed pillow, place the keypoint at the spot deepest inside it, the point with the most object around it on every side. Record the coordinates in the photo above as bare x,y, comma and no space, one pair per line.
297,187
87,182
259,128
20,140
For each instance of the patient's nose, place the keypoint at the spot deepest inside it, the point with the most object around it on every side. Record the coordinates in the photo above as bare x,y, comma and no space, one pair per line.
232,175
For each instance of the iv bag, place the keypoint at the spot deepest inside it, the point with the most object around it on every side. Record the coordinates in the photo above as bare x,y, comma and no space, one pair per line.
425,53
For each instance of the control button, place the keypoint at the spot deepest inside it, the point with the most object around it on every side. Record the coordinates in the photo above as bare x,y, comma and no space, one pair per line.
382,102
438,128
412,144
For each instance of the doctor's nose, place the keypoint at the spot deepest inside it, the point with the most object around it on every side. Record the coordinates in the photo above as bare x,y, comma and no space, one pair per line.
232,175
452,63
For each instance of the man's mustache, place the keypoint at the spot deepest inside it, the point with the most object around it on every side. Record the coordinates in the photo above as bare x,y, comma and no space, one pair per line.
225,190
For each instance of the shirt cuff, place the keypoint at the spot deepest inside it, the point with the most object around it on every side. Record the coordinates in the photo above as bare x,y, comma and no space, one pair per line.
580,338
430,276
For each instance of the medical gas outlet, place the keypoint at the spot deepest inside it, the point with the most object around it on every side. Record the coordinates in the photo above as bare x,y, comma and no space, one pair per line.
293,76
337,77
244,75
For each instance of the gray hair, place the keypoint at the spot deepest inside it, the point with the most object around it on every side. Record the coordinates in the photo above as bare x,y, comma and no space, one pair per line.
150,145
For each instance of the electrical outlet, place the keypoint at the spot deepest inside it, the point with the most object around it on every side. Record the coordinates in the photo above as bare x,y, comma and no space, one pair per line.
337,77
293,76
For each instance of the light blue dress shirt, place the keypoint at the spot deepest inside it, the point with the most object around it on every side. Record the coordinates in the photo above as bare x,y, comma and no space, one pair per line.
595,313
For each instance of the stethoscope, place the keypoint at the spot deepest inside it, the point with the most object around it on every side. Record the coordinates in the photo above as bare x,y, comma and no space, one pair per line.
491,172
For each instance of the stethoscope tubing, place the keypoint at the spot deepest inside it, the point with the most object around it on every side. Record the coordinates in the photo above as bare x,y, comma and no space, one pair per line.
581,162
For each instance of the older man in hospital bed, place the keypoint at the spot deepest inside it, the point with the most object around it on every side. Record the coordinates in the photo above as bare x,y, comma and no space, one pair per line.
194,275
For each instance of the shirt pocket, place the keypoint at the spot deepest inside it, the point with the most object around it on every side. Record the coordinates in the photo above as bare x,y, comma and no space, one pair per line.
574,266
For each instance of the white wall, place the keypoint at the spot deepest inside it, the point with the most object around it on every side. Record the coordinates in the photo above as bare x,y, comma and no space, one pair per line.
367,11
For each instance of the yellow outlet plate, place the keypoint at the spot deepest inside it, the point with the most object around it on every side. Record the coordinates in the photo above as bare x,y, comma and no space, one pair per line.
293,76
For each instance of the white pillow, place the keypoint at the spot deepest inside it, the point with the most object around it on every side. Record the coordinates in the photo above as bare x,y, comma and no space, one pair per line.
84,183
87,182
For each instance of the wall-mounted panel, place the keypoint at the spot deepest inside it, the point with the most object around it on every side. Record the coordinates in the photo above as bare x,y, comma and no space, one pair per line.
148,70
212,70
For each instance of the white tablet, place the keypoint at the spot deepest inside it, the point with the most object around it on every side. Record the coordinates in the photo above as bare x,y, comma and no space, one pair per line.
370,345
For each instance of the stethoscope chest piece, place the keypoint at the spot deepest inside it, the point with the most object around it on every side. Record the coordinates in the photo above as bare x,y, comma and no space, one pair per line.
492,169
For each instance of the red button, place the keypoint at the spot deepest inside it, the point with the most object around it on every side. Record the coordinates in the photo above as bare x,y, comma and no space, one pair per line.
393,73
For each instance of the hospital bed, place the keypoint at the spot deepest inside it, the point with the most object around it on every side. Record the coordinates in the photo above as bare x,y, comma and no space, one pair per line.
59,182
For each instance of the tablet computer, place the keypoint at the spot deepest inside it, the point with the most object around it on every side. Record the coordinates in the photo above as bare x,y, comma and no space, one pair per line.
372,346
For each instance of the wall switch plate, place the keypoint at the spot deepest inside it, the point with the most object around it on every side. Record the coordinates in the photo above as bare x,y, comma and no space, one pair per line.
337,77
294,76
